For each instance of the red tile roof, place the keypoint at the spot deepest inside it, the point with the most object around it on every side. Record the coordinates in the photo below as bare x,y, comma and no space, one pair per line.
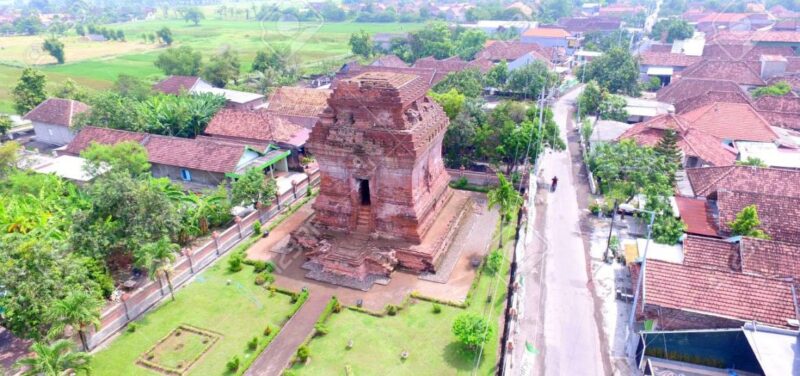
731,121
389,61
298,101
720,254
104,136
667,59
442,68
719,293
693,103
56,111
589,24
722,18
708,180
176,84
354,69
688,87
779,215
201,153
783,111
698,216
732,70
512,50
253,125
770,258
692,141
743,51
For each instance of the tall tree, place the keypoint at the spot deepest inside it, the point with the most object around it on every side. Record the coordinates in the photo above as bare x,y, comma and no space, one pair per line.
451,101
77,310
55,48
30,90
506,199
668,147
157,257
361,44
132,87
125,156
435,39
181,61
112,110
498,75
747,223
472,330
613,108
165,35
590,98
531,80
55,359
469,43
194,15
5,125
468,82
253,187
616,71
222,68
671,29
71,90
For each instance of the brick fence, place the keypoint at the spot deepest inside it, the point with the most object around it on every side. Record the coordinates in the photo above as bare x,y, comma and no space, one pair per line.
482,179
118,314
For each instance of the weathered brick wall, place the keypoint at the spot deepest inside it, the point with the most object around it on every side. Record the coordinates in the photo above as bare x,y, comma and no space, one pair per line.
673,319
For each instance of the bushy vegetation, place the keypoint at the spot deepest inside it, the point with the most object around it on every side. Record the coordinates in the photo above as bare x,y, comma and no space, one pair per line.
776,90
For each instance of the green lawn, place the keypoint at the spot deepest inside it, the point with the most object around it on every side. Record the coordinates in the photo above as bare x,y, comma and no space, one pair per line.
238,312
433,349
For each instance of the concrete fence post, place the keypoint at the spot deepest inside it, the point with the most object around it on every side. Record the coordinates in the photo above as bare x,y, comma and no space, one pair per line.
238,221
124,299
215,235
294,189
188,253
278,200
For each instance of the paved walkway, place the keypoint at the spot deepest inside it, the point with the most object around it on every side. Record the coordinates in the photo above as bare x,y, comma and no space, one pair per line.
274,359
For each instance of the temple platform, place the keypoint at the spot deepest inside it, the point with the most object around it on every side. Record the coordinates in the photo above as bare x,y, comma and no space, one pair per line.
359,260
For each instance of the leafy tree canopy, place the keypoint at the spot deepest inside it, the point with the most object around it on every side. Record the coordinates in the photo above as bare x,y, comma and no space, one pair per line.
180,61
472,330
29,91
616,70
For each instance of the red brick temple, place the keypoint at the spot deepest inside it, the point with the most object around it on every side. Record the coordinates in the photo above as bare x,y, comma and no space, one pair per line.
384,200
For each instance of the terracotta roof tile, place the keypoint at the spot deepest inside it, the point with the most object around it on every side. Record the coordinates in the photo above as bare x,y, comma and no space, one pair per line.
698,216
779,215
56,111
176,84
707,180
355,69
719,254
688,87
742,51
389,61
731,121
298,101
546,32
733,70
710,97
719,293
770,258
104,136
590,24
253,125
512,50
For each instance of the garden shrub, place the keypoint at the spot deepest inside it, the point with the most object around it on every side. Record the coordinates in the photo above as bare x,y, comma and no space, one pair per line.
252,344
257,228
233,364
461,183
391,309
494,262
259,266
267,331
260,280
235,263
320,330
437,308
303,353
132,327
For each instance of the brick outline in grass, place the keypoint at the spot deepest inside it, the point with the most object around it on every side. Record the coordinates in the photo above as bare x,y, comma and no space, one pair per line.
212,336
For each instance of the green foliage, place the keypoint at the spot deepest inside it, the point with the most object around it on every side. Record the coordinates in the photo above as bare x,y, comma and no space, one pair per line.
668,148
9,153
70,90
179,115
777,89
586,130
468,82
233,364
181,61
747,223
78,310
235,263
512,132
131,328
654,84
57,358
222,68
55,48
505,198
193,14
112,110
391,309
5,125
451,101
613,108
157,258
628,167
267,331
752,161
616,71
498,75
469,43
671,29
29,91
257,228
303,353
165,35
472,330
435,39
494,261
252,344
320,330
437,309
361,44
590,98
132,87
529,81
552,10
604,41
129,156
253,187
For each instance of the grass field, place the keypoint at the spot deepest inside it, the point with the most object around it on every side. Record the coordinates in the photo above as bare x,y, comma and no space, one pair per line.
237,311
433,349
97,64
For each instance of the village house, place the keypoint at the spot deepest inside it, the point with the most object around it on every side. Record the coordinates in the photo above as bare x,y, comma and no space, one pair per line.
443,67
578,26
516,53
195,85
198,163
260,127
551,37
389,61
621,10
663,65
53,120
492,27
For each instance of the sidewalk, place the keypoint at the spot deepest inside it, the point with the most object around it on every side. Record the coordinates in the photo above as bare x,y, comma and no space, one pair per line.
274,359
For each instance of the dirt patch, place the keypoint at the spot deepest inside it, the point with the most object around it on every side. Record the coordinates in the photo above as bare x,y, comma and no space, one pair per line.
176,353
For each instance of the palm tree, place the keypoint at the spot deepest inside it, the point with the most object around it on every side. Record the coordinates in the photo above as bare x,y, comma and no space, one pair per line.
78,310
56,359
505,198
157,258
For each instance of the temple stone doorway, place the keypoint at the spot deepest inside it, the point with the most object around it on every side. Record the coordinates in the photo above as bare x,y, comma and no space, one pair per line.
363,191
